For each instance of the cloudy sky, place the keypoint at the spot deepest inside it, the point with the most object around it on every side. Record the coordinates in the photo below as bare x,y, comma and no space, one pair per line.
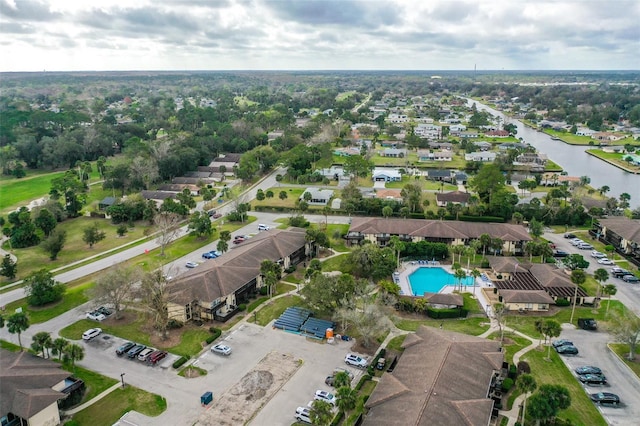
71,35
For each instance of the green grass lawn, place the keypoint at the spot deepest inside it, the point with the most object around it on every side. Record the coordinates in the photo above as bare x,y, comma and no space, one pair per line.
617,159
293,194
582,411
109,409
622,350
336,263
17,192
396,343
526,323
513,343
73,297
473,326
274,309
427,185
95,383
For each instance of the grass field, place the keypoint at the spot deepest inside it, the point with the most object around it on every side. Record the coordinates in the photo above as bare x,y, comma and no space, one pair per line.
584,140
617,159
273,310
473,326
293,194
108,410
582,411
622,350
95,383
17,192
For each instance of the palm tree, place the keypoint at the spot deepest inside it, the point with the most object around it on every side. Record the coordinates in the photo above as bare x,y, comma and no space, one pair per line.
16,324
346,398
58,345
42,342
475,245
397,246
609,290
578,277
460,275
457,249
526,384
485,241
475,273
600,275
73,353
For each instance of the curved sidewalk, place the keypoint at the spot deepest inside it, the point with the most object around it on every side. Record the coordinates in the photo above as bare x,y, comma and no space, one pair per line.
91,401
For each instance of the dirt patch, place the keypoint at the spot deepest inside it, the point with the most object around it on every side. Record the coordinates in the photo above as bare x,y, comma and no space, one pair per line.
239,404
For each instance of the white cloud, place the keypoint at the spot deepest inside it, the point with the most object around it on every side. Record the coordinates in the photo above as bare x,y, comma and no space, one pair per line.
318,34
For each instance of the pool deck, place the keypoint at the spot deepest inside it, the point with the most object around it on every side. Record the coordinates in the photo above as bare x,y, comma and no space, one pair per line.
401,276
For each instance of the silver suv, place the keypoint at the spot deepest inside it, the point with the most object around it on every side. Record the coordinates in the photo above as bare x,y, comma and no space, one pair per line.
355,360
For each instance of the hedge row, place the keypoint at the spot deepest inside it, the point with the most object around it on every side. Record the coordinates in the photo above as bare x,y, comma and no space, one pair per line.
180,361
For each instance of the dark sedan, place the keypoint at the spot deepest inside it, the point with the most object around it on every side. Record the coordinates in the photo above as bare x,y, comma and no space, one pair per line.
588,369
560,253
593,379
605,398
124,348
567,350
562,342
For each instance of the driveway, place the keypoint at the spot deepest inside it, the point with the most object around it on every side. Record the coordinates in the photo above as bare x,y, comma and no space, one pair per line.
621,380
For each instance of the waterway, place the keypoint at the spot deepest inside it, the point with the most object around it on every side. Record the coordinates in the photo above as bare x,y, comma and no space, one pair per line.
575,161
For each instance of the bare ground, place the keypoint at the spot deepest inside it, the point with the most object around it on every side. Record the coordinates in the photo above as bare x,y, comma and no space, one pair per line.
240,403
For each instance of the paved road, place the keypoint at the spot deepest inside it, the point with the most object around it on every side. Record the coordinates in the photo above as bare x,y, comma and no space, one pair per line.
621,380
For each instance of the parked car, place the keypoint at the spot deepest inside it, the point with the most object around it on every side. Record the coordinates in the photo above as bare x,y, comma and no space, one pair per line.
96,316
135,351
221,349
239,239
567,350
355,360
588,369
156,357
325,396
575,241
104,311
597,254
91,333
191,264
605,398
593,379
124,348
144,355
584,246
210,254
329,380
587,323
569,235
630,278
560,253
619,272
605,261
562,342
303,414
263,227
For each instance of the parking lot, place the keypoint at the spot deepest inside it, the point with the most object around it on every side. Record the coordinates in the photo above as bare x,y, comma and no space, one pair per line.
250,344
620,379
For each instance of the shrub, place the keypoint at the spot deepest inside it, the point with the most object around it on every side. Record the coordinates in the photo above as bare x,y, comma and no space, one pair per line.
563,302
485,264
507,384
216,332
263,290
298,221
524,368
290,269
242,307
174,323
180,361
210,339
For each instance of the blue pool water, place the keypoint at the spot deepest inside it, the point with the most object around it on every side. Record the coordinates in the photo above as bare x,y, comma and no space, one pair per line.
432,280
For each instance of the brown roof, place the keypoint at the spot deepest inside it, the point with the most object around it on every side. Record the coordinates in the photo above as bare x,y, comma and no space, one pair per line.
526,296
504,264
26,383
542,277
444,299
389,193
447,387
453,197
224,275
438,228
629,229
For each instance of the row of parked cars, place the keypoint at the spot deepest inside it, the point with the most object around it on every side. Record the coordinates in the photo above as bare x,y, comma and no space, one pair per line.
141,352
303,413
624,275
99,314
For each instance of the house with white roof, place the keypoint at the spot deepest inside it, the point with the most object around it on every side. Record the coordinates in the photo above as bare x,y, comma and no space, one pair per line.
386,175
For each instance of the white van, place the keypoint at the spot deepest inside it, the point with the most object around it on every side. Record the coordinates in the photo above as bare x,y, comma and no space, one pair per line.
263,227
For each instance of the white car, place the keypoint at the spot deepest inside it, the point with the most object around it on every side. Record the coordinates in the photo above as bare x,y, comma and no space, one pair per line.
355,360
576,241
95,315
221,349
191,264
91,333
325,396
262,227
597,254
303,414
605,261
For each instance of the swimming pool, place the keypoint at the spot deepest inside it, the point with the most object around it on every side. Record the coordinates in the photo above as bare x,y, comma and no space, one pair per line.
432,280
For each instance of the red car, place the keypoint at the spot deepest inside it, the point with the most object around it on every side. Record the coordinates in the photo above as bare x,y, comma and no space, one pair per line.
238,239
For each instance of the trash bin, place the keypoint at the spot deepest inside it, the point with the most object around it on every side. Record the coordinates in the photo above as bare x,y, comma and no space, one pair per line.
206,398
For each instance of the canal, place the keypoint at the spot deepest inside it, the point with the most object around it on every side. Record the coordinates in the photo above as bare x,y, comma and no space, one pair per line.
575,161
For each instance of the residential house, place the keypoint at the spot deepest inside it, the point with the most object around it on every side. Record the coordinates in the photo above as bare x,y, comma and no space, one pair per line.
584,131
398,118
622,233
607,137
346,152
427,155
430,131
158,196
441,145
443,378
393,153
455,197
497,134
386,175
380,230
106,203
275,134
469,135
213,290
483,145
526,300
618,149
389,194
30,388
483,156
441,175
511,145
444,300
460,177
532,158
179,187
334,173
319,197
229,161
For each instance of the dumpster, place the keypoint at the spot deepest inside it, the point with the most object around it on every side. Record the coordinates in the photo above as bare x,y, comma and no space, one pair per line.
206,398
